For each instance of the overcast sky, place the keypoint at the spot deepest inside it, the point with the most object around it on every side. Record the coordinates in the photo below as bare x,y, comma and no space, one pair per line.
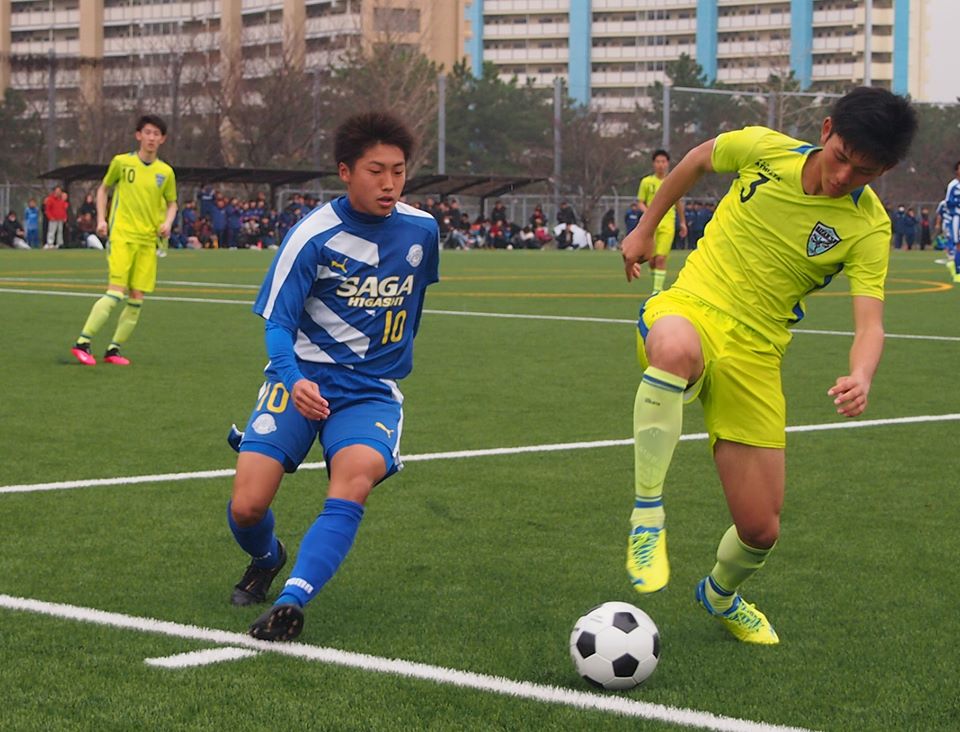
941,50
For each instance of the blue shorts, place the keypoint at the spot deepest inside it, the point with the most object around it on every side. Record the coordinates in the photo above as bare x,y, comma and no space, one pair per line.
363,411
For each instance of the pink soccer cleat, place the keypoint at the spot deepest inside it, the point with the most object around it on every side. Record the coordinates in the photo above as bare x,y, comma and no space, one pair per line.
81,352
113,356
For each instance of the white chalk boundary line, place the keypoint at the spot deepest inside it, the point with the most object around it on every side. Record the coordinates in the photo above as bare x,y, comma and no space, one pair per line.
622,705
469,313
200,658
458,454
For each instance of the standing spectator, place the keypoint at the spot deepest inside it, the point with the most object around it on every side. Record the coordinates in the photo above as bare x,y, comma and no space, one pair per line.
12,233
537,214
499,214
234,215
899,226
208,200
910,224
566,214
218,220
632,217
925,239
55,211
188,220
31,223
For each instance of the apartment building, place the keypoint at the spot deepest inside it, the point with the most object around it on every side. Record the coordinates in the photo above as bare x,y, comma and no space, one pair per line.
124,48
611,51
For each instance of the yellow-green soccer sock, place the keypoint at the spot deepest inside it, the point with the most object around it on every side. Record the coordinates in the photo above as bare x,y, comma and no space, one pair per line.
657,421
127,322
99,314
659,275
736,563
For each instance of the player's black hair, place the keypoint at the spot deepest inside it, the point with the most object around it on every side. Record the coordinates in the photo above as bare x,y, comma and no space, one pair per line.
362,131
876,123
956,165
152,119
658,153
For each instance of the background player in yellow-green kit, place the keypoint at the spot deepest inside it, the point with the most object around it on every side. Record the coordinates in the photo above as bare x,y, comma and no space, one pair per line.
794,217
142,212
667,229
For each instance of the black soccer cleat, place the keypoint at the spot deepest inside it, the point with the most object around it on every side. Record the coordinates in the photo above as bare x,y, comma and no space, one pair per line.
279,623
255,584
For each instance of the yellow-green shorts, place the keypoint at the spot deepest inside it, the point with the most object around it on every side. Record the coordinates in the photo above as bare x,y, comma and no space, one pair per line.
740,386
663,238
133,265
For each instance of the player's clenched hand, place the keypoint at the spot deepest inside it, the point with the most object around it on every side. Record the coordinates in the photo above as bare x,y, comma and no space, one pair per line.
164,230
850,395
307,400
633,247
101,228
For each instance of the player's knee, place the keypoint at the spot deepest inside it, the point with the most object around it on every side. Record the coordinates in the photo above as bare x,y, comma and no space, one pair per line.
674,355
246,512
761,533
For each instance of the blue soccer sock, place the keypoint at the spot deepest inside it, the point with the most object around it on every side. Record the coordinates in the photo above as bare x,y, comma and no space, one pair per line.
258,540
322,550
956,260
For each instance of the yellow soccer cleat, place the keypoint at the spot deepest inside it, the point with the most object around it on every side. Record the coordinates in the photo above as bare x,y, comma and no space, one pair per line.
743,619
647,562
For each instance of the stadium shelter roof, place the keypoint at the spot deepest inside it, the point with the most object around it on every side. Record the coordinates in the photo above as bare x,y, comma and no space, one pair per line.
186,174
479,186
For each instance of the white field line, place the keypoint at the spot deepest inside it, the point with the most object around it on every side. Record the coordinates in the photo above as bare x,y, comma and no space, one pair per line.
465,679
200,658
471,313
457,454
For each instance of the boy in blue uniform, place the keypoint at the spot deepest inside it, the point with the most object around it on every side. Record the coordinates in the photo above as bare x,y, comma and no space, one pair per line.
342,303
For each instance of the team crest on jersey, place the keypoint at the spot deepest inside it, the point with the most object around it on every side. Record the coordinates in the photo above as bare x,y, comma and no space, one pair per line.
160,179
822,239
415,255
264,424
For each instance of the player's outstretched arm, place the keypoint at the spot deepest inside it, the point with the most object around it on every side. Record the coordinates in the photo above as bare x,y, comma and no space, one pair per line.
638,245
850,392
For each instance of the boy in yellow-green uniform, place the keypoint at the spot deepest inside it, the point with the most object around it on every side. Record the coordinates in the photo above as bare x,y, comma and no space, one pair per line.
143,209
794,217
666,230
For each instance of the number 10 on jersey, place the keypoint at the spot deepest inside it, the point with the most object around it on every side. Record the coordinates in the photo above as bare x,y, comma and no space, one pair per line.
393,326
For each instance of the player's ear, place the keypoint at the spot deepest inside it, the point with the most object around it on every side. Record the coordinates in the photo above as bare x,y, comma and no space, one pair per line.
826,130
343,170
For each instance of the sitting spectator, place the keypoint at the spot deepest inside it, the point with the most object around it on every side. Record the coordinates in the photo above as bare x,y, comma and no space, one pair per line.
541,232
87,231
609,237
88,206
632,217
527,238
537,214
206,236
12,233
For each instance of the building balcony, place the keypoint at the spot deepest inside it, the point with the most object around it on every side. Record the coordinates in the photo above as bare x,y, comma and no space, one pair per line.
641,53
185,11
525,55
538,80
42,48
631,5
522,7
526,30
44,20
644,27
766,21
328,25
753,49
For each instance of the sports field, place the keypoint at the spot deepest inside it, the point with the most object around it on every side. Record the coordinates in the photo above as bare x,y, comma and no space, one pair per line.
453,610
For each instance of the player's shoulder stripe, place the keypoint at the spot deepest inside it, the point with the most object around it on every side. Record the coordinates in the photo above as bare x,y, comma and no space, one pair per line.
406,208
316,223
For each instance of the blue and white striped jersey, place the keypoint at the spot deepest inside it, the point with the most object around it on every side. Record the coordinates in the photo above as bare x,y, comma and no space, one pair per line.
952,199
351,286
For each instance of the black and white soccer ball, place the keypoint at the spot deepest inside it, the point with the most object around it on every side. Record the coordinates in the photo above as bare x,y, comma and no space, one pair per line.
615,646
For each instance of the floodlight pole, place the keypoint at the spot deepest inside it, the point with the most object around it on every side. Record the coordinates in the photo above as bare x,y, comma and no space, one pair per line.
441,123
51,110
665,139
867,42
557,146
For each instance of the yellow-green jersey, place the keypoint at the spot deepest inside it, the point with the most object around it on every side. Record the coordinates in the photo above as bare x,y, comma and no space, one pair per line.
141,193
649,185
769,244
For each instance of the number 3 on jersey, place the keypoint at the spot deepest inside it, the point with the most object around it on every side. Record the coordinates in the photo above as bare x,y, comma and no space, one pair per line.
393,326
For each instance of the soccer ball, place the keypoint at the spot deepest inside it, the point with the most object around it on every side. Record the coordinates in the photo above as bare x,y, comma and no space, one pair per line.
615,646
